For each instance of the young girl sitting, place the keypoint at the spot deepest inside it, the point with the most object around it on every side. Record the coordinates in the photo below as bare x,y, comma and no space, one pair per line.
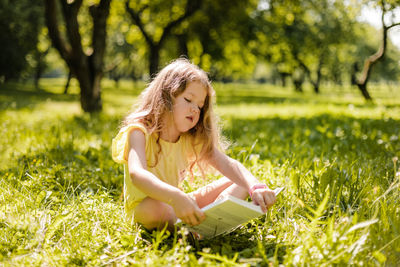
172,132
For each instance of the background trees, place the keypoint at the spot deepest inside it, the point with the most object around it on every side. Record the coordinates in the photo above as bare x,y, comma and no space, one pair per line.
157,21
20,23
307,42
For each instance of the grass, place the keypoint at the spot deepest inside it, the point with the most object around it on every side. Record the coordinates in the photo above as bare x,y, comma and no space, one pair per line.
337,156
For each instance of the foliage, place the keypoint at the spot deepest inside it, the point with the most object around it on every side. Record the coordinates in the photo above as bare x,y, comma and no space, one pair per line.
19,21
223,47
307,38
338,159
315,40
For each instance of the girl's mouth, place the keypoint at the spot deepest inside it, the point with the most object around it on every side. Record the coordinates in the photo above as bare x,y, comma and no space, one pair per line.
189,118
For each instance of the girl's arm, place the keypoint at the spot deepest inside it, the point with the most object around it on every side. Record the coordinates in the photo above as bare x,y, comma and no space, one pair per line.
236,172
185,208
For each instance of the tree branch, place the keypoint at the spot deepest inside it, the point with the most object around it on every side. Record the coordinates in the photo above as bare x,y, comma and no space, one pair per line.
191,7
52,24
136,17
393,25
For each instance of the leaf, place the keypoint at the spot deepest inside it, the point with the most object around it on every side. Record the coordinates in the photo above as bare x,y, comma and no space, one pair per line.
379,256
362,225
40,197
55,225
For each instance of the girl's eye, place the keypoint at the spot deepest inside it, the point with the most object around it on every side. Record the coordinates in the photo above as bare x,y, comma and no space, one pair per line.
190,101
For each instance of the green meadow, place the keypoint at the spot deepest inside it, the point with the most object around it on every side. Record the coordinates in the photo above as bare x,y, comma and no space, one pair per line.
338,158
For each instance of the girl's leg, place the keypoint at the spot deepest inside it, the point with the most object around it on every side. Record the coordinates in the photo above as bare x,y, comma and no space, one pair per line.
216,190
208,194
236,191
153,213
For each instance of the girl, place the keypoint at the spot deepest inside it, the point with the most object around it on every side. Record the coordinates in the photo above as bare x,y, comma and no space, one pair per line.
172,131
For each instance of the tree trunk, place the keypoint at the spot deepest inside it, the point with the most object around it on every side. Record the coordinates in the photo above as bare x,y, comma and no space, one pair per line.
283,76
354,71
67,83
182,43
90,91
364,91
317,82
154,58
298,84
38,73
88,69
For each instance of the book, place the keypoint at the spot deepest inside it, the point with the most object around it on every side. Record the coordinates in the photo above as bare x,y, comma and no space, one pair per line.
225,215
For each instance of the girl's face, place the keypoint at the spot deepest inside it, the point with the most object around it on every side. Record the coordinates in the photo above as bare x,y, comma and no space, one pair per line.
188,105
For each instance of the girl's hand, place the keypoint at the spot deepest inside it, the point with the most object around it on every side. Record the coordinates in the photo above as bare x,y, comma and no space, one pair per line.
187,210
264,197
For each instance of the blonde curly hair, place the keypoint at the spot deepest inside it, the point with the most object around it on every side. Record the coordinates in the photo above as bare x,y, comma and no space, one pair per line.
158,98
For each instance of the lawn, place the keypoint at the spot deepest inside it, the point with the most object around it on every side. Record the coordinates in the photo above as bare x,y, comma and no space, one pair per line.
60,191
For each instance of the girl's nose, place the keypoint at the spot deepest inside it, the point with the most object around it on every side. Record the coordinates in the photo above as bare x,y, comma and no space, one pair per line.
194,108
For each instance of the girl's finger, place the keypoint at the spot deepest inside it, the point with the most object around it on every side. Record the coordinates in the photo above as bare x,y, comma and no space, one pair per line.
193,220
188,221
272,197
261,202
200,215
268,200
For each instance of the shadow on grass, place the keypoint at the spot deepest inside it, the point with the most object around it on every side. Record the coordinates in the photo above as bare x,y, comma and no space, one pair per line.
67,163
18,96
243,243
246,243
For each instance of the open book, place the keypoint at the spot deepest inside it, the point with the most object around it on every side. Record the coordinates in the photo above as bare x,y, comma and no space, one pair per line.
225,215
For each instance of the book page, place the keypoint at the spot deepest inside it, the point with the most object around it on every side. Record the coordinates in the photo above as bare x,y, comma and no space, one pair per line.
224,216
227,214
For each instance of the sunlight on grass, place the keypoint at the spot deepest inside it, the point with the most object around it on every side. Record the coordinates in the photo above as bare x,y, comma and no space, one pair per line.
60,191
288,110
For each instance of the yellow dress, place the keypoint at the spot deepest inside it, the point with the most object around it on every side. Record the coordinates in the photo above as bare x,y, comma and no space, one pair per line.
171,167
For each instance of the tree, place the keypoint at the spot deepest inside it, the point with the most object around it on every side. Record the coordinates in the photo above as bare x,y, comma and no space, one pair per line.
303,35
156,22
19,26
220,37
87,66
362,81
125,57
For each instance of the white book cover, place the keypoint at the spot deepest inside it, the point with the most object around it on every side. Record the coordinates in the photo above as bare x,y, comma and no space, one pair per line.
225,215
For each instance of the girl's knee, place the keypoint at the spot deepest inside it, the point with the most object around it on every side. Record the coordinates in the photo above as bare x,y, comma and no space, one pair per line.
152,214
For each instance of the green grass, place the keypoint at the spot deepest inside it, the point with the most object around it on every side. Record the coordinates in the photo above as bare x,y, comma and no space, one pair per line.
60,191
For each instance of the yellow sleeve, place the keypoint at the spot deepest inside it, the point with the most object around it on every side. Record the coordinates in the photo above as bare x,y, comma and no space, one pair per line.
120,143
